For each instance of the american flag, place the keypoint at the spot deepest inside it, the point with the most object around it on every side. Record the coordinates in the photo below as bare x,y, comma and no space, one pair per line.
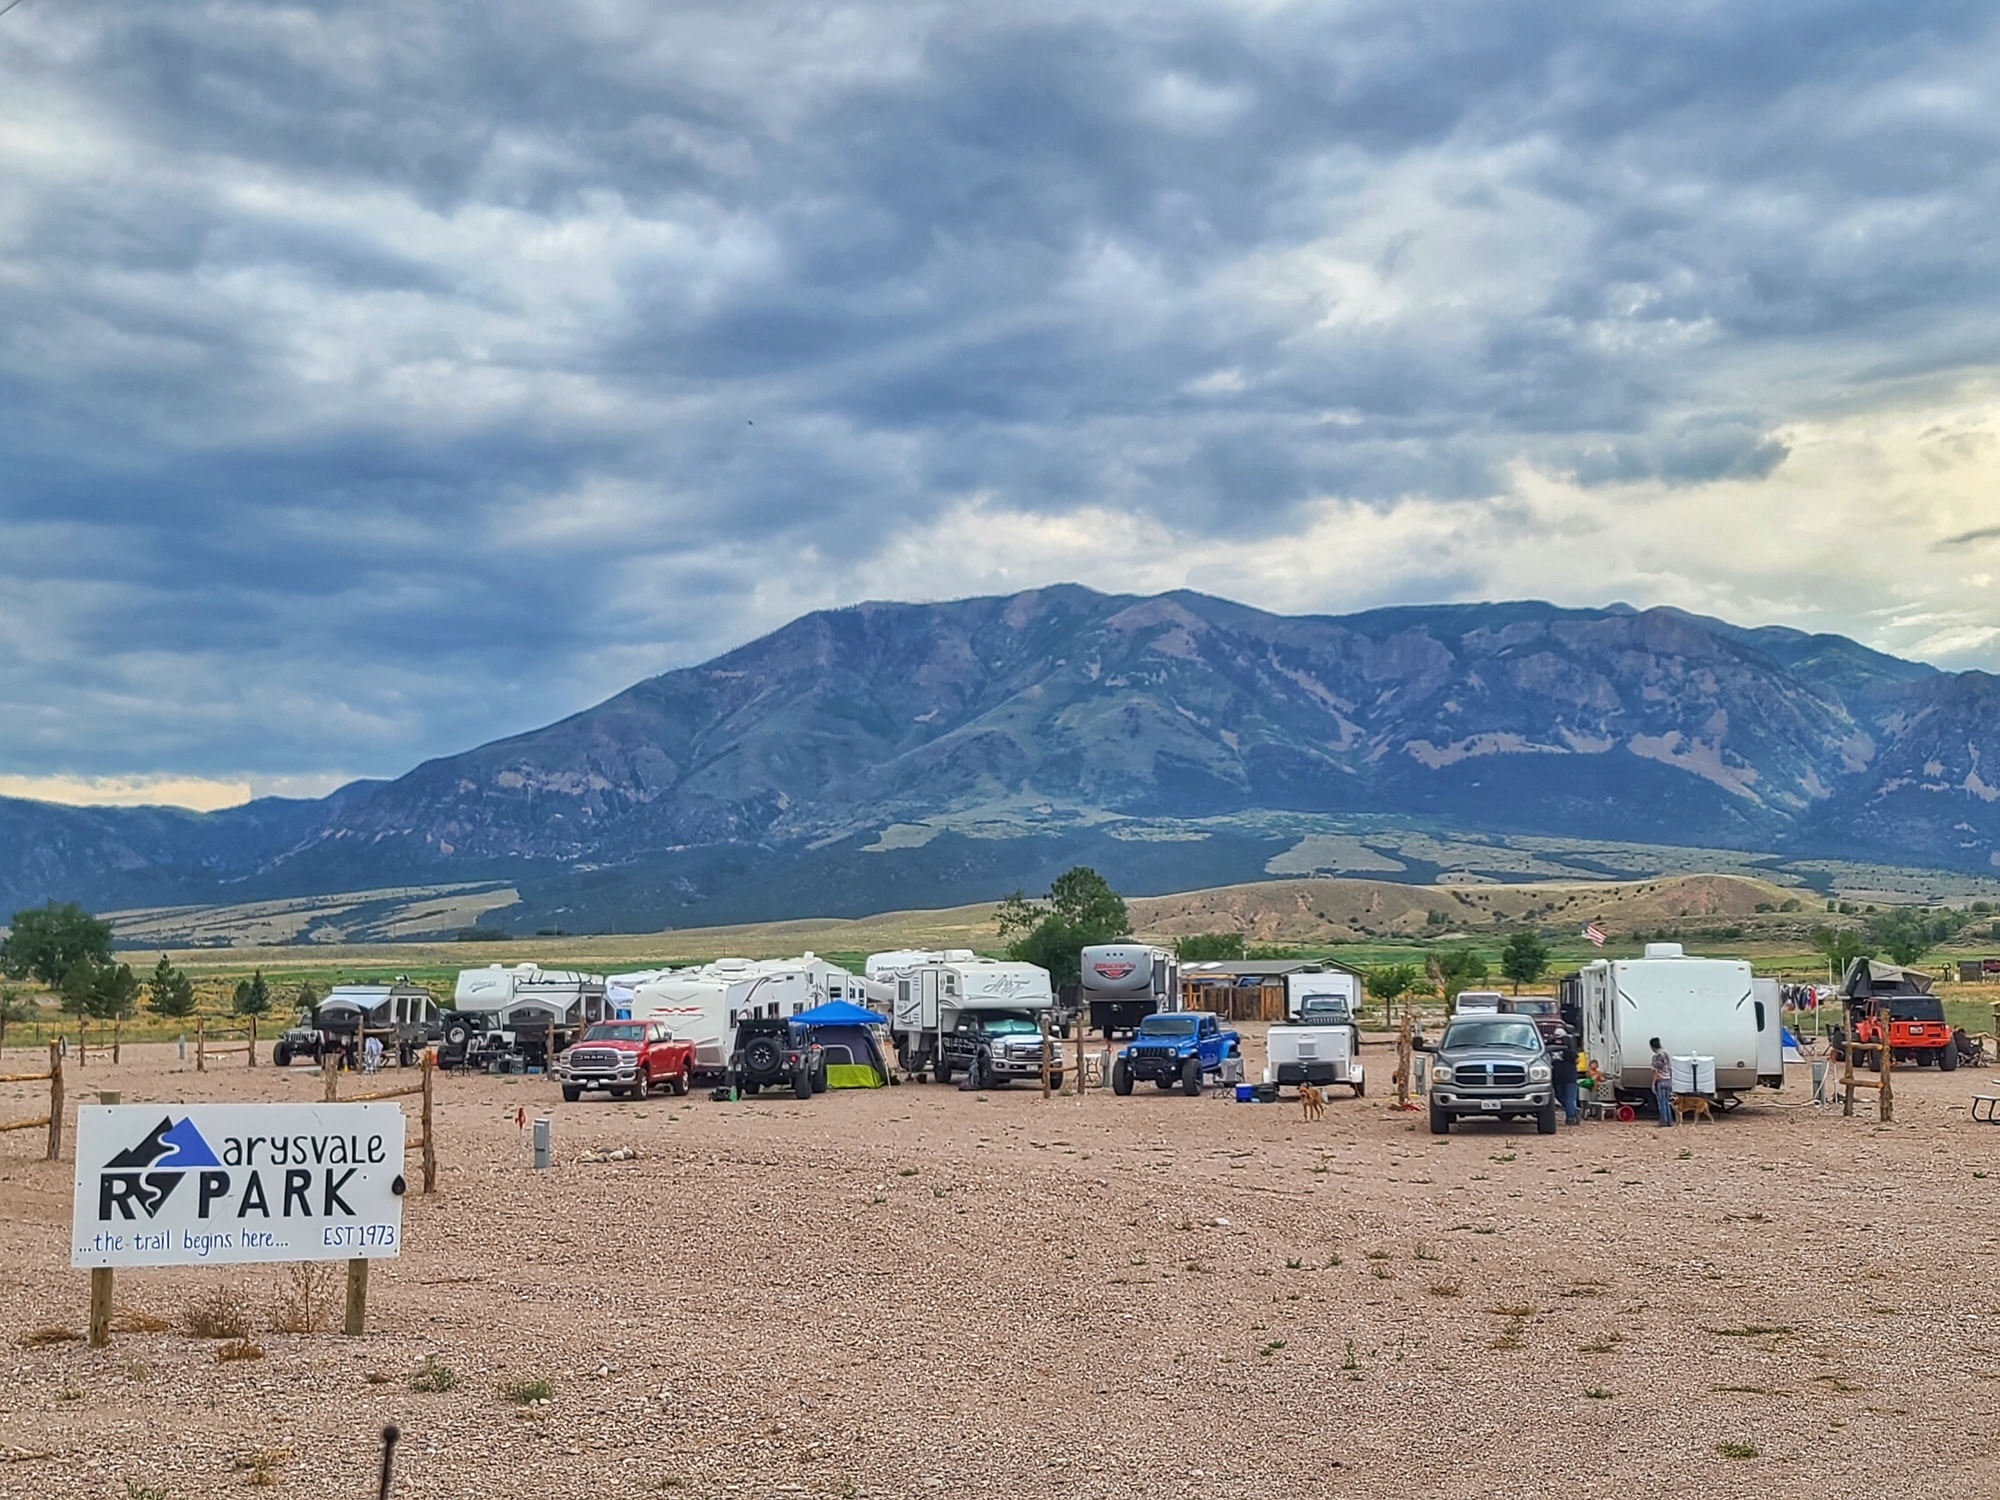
1595,934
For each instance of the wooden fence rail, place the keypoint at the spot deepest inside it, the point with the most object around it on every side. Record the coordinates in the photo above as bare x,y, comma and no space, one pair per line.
426,1089
246,1044
54,1118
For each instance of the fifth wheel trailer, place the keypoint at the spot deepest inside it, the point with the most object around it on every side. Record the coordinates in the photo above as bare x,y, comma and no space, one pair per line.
1697,1007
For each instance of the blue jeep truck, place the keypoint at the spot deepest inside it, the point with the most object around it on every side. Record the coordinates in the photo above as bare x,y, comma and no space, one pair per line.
1175,1047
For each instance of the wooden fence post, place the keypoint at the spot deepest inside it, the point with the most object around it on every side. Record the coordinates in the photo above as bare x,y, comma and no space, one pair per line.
55,1101
117,1034
82,1042
357,1298
201,1044
1886,1111
430,1127
253,1041
1847,1079
100,1307
329,1078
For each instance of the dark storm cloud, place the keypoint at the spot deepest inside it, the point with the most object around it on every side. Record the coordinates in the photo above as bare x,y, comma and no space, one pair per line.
380,378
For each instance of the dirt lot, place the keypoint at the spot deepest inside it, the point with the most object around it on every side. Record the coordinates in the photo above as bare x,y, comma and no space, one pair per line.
919,1290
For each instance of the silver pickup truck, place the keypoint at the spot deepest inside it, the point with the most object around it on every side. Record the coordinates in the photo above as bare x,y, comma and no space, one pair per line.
1491,1067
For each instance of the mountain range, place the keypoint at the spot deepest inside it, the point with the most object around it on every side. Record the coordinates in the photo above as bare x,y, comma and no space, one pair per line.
893,754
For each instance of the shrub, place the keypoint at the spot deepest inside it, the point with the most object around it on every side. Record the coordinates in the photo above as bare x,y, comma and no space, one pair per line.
435,1379
223,1313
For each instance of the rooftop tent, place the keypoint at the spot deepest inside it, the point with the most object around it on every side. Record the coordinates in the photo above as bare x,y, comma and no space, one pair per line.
849,1035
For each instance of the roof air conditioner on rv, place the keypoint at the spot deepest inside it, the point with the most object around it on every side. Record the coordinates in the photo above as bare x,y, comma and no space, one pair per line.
1664,950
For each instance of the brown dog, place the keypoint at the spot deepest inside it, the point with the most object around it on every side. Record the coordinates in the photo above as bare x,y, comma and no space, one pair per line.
1313,1101
1695,1105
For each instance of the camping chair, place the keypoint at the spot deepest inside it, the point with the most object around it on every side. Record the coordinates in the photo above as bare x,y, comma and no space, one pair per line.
1971,1049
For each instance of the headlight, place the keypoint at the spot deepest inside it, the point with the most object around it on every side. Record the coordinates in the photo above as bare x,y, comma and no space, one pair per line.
1539,1073
1441,1072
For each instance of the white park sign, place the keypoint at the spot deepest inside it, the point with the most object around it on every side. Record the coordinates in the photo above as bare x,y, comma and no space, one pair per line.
227,1184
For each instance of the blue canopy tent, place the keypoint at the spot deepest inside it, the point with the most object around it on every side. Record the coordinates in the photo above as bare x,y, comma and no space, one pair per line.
851,1036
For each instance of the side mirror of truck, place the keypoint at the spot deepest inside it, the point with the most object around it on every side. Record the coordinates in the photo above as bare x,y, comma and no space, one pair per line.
1420,1044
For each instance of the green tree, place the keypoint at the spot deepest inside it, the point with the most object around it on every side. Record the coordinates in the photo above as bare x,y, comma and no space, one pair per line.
1080,910
14,1006
77,988
1211,947
1525,959
1840,946
115,995
1390,982
253,996
169,992
46,942
307,1001
1457,969
1907,934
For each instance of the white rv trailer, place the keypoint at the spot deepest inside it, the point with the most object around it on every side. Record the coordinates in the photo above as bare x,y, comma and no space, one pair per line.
1123,983
527,1009
1697,1007
886,966
703,1004
931,993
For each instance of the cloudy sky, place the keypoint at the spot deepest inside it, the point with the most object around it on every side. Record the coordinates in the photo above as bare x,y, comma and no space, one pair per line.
381,378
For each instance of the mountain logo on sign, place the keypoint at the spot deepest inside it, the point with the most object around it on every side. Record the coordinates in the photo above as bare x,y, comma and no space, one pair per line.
147,1174
1116,968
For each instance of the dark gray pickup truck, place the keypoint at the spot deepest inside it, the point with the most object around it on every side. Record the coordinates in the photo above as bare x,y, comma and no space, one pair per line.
1491,1067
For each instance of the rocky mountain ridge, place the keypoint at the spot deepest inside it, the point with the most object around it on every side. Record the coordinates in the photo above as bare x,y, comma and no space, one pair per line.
1063,714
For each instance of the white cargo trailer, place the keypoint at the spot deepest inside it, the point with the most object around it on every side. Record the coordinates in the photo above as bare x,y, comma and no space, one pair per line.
1698,1007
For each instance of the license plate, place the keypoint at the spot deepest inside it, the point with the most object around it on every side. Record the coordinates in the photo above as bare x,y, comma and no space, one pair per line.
1493,1104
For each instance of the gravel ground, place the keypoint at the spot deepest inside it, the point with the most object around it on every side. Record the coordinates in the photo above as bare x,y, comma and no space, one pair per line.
918,1290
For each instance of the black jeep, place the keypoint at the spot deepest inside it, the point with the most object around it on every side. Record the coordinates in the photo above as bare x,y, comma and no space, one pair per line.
769,1053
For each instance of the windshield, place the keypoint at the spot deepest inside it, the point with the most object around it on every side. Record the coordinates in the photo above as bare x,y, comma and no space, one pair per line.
1167,1026
1494,1033
617,1031
1534,1007
1011,1026
1324,1005
1916,1008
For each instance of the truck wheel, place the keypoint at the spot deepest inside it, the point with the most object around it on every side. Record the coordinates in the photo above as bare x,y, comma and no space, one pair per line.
819,1079
802,1084
682,1080
1440,1121
1121,1077
1948,1057
1191,1077
1055,1080
281,1056
571,1093
1545,1120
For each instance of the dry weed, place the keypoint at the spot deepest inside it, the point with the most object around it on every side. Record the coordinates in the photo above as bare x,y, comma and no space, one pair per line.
131,1320
222,1313
305,1300
41,1338
236,1349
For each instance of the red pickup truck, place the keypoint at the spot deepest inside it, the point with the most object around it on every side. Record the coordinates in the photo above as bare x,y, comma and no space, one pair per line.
629,1058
